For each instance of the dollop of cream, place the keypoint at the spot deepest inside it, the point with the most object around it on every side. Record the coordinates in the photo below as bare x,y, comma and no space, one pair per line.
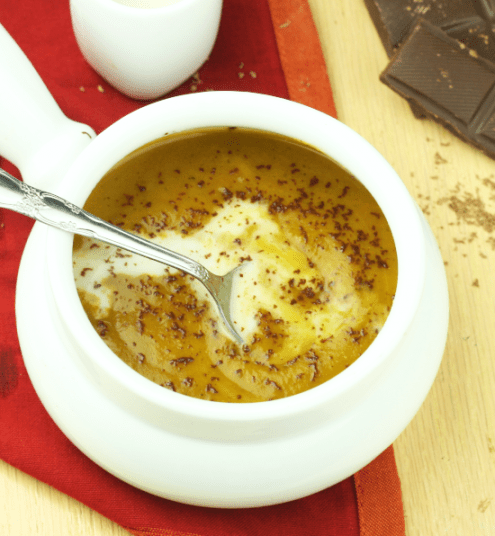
312,299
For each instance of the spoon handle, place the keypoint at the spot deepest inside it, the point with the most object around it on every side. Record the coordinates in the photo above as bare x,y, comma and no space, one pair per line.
52,210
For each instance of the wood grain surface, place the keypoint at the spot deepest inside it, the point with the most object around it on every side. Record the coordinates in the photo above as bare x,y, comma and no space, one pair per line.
446,456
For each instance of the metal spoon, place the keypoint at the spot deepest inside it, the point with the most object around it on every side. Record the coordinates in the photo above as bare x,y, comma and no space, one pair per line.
52,210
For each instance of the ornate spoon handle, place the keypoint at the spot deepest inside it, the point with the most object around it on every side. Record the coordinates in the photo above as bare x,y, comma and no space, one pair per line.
52,210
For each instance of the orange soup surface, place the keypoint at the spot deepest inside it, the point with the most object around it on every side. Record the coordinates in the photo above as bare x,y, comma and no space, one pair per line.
319,274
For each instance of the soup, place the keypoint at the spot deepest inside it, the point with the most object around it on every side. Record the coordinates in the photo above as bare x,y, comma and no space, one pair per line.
319,264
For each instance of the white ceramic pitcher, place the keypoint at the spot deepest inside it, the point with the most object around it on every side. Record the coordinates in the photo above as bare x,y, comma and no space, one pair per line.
145,52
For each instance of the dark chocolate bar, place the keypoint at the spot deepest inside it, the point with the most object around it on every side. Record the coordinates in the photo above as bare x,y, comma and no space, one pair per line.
450,82
472,22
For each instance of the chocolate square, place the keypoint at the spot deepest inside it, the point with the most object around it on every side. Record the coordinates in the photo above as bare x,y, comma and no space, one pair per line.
448,81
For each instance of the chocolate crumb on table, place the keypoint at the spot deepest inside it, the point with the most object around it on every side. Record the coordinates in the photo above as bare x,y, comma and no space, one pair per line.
471,210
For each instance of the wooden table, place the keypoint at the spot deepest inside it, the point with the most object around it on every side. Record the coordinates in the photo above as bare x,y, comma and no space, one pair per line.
446,456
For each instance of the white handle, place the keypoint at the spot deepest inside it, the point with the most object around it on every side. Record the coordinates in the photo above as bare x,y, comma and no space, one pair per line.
34,133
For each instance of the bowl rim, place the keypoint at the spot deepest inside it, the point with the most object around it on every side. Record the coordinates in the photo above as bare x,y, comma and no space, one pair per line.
248,110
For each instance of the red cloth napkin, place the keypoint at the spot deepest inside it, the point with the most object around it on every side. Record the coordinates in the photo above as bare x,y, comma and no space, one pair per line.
264,46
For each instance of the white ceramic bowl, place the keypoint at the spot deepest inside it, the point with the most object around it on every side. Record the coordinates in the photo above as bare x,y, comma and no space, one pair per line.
218,454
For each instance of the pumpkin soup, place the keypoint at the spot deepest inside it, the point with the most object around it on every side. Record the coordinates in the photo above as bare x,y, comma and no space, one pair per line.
319,277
